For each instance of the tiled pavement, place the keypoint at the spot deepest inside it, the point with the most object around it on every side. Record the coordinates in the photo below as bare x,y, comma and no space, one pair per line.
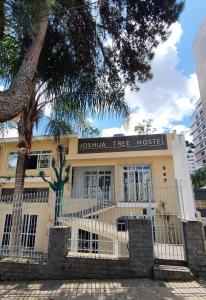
103,290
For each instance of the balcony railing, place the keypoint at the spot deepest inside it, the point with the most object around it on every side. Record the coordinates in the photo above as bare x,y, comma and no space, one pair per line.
137,193
27,197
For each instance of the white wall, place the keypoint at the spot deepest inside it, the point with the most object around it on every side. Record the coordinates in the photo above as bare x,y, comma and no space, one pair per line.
182,175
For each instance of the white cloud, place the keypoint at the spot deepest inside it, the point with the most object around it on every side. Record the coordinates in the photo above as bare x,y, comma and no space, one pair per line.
168,97
9,133
182,129
90,120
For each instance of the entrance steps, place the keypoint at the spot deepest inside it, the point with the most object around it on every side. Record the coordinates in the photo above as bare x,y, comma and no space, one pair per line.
172,270
95,226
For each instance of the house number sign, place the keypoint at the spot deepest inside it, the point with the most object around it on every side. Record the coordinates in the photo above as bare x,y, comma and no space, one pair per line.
123,143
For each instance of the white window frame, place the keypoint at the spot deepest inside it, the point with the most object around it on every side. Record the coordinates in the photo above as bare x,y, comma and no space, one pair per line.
11,154
39,154
132,195
91,183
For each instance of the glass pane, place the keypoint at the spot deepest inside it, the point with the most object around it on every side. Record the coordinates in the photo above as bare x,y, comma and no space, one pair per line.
12,161
44,161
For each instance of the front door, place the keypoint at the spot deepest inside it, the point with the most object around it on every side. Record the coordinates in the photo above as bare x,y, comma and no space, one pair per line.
98,184
136,183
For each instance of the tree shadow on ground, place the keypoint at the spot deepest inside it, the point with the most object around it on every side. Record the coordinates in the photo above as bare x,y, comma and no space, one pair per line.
127,289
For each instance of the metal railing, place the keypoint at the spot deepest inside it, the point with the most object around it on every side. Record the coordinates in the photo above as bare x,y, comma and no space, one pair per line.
98,223
26,197
101,193
25,220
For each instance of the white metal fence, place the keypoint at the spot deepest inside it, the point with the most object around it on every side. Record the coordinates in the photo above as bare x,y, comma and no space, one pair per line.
98,221
24,225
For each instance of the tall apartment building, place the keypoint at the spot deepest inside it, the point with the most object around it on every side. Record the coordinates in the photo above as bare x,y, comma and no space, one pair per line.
191,158
198,127
198,119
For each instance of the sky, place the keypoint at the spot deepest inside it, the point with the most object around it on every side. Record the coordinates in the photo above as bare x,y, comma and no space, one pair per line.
169,98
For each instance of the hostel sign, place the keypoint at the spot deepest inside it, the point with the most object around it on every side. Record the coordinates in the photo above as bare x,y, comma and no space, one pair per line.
123,143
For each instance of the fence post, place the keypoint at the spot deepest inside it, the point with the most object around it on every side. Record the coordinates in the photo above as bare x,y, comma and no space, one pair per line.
58,243
141,247
195,247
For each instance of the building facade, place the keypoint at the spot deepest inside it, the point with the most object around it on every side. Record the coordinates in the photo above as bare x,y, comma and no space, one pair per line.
198,127
198,119
191,158
110,180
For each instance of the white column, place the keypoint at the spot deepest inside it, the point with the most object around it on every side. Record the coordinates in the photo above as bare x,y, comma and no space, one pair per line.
182,175
74,238
116,248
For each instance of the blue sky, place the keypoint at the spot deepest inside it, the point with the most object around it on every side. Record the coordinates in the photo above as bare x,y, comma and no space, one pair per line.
191,19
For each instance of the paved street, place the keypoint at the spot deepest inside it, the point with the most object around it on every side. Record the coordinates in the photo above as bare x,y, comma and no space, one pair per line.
103,290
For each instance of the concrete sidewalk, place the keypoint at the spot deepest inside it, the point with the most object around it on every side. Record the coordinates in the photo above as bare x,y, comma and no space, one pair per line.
103,290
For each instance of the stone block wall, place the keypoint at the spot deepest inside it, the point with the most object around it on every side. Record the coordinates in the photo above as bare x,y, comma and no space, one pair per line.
141,247
60,266
195,247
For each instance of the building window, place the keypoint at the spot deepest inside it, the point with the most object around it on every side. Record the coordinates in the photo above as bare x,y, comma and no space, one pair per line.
144,211
44,161
201,146
198,123
29,231
36,160
199,130
122,223
203,153
97,183
204,161
196,117
136,183
39,160
201,112
203,127
200,138
12,160
7,231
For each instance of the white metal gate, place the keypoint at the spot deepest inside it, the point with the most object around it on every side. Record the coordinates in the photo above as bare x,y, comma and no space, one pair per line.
166,220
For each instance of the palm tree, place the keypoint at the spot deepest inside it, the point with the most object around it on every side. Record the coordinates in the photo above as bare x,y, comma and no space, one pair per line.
64,120
60,42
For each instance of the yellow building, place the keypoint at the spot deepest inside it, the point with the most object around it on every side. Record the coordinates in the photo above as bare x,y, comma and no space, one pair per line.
111,179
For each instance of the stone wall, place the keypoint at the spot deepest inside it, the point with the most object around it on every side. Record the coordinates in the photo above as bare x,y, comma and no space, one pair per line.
141,247
59,266
195,247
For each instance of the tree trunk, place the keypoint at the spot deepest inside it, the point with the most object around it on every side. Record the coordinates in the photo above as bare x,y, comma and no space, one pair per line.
13,100
18,198
58,206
